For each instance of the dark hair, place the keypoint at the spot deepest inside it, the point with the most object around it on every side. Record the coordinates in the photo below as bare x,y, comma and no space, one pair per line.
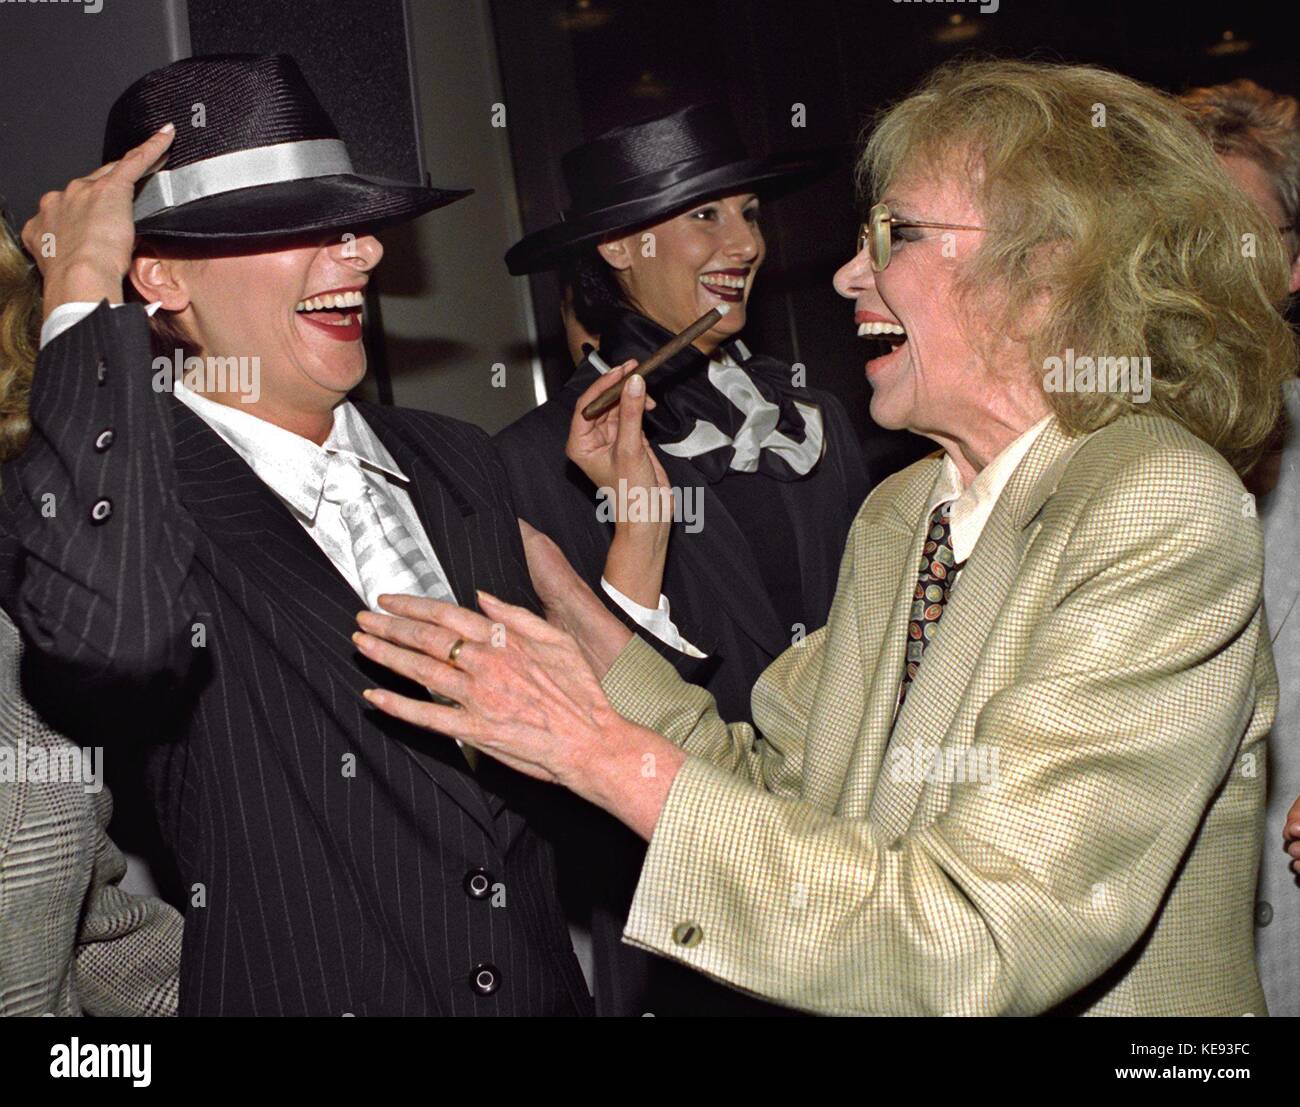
597,295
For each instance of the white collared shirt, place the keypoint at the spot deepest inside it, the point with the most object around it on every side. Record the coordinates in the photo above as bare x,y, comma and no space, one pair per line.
972,505
294,469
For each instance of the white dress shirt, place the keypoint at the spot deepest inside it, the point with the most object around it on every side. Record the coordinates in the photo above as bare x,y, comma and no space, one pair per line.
657,620
295,469
974,503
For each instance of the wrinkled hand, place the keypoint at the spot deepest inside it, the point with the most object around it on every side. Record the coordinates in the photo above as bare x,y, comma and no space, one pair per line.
83,236
527,695
1291,835
555,581
569,603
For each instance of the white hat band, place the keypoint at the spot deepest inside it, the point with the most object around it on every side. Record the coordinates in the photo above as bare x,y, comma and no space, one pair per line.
261,165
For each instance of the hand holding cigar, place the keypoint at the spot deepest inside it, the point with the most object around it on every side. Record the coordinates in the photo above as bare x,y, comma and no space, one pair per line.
673,346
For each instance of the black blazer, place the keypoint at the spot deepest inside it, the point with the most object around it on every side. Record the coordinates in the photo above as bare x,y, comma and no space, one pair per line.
326,852
720,604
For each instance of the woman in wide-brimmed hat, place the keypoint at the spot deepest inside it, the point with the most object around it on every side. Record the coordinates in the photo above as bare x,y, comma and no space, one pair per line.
196,589
665,225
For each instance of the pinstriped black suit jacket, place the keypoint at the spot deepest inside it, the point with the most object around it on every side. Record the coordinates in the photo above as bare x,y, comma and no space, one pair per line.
323,847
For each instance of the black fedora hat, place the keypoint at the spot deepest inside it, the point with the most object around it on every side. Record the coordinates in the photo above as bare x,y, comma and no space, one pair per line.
643,172
267,160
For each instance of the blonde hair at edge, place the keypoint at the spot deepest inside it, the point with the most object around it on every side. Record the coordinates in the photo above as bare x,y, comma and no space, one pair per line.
20,325
20,328
1103,201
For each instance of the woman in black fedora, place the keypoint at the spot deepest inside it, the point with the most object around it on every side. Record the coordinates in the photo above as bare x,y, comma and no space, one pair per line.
664,225
195,590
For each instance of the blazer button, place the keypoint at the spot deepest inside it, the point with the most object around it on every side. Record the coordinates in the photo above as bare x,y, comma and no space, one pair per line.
104,440
478,884
688,934
101,511
484,979
1263,913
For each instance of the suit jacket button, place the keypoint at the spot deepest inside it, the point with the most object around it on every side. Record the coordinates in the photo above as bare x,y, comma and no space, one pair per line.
1263,913
478,884
100,512
104,440
688,934
484,979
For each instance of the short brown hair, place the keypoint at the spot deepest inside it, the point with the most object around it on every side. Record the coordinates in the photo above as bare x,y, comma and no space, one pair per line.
1240,118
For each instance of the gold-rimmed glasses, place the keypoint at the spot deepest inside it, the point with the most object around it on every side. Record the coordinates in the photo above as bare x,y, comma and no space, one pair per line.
876,234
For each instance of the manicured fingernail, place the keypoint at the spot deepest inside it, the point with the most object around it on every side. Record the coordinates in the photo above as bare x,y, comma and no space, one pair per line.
371,695
167,128
636,385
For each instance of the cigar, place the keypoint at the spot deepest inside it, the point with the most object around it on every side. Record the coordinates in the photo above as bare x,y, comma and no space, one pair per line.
672,347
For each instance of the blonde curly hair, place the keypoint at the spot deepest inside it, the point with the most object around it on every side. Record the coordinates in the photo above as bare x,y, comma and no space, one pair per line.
1104,202
20,326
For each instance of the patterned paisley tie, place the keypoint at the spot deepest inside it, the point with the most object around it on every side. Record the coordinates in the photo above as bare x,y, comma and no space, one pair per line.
933,583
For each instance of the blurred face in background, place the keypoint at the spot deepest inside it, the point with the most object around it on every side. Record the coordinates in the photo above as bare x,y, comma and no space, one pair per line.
1256,182
679,269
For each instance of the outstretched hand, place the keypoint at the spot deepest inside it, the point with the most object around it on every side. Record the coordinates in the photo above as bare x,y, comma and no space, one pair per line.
570,604
526,697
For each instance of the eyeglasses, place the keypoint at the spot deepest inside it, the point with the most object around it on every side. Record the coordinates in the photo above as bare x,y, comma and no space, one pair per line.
878,231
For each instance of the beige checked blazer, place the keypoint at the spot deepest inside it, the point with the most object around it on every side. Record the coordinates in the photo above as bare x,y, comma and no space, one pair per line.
1087,839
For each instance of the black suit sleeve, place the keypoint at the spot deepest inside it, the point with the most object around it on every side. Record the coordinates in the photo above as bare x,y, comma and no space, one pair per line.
105,547
849,457
552,494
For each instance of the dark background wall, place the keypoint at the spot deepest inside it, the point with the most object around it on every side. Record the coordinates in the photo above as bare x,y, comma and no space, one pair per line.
572,68
61,66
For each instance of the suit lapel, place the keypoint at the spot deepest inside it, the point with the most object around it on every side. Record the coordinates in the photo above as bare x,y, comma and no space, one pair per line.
446,505
298,591
945,676
885,562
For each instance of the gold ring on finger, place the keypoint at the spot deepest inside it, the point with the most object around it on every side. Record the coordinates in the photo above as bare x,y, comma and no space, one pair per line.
454,652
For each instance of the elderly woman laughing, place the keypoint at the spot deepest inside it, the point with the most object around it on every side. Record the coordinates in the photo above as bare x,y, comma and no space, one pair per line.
1020,769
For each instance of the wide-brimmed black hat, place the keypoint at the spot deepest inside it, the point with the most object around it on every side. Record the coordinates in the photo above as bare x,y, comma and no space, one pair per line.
643,172
255,155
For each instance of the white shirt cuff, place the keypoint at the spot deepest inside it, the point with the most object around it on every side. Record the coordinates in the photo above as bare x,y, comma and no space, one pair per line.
70,314
655,620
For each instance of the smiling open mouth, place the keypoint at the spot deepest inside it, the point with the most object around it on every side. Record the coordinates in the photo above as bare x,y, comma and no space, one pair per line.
892,334
727,285
337,314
